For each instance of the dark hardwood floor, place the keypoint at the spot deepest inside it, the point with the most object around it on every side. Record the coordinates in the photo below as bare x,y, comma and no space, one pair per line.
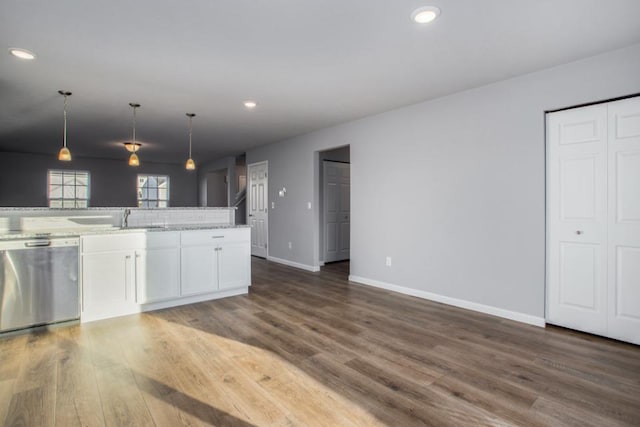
312,349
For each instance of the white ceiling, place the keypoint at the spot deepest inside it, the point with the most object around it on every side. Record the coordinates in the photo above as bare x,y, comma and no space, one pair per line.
309,64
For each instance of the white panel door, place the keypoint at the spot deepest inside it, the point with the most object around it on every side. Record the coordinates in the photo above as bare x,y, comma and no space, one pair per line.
577,168
337,210
257,207
624,220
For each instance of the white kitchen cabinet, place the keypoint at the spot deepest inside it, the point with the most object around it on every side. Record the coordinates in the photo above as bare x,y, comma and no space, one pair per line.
125,273
157,274
199,269
157,268
108,284
215,260
234,265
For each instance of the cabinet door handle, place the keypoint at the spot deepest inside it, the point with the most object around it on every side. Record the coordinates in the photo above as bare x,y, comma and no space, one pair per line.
126,275
135,278
217,237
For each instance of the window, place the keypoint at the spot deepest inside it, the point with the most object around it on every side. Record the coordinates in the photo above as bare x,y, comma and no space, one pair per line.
153,191
68,189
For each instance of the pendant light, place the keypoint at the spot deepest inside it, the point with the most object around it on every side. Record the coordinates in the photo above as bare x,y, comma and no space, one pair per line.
190,165
64,154
133,146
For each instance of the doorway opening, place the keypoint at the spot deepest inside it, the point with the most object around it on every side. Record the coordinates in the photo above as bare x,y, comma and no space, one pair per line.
334,225
217,188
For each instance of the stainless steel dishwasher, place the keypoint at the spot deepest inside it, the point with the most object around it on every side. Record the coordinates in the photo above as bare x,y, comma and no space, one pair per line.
38,282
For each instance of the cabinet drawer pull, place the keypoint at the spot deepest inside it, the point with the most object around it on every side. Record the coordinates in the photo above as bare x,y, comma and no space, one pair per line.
217,237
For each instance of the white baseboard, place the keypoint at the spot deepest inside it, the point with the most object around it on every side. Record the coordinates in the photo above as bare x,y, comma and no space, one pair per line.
84,318
194,299
469,305
313,268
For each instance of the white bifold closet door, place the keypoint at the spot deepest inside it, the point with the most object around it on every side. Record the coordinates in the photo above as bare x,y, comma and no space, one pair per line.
593,194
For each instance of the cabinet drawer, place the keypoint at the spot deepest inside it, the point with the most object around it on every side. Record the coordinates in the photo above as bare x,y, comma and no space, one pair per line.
163,239
207,237
112,242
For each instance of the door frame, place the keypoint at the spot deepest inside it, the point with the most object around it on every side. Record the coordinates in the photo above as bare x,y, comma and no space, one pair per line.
318,247
249,165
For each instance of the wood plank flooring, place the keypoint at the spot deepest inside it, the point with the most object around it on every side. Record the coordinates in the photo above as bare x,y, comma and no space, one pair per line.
311,349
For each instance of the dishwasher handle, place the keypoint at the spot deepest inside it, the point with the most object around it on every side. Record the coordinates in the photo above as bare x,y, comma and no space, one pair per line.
37,244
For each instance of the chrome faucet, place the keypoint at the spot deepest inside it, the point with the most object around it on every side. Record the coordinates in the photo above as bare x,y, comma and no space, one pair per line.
125,218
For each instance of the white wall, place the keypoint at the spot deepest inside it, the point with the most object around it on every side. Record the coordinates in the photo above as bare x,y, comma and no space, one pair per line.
469,169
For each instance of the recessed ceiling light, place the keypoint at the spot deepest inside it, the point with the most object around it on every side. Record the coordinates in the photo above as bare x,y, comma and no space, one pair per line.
426,14
250,104
22,53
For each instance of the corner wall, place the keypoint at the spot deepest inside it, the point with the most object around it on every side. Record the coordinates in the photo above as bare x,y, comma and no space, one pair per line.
453,189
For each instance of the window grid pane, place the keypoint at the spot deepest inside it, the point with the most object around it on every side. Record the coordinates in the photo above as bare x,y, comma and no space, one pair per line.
68,189
153,191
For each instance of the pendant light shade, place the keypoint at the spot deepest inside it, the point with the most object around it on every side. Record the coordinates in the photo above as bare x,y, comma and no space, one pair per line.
190,165
133,146
134,160
64,154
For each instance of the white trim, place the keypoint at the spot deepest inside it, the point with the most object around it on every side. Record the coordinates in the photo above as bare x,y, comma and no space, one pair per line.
313,268
170,303
193,299
469,305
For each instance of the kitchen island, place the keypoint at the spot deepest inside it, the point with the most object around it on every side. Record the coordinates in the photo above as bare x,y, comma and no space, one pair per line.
140,266
128,271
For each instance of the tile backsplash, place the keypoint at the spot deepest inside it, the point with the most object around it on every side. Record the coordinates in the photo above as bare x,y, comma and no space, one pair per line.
35,219
176,216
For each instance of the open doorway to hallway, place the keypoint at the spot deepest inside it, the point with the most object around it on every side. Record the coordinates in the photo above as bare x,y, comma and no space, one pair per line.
217,191
335,206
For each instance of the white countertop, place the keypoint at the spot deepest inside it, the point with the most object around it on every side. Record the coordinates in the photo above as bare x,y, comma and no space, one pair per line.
55,233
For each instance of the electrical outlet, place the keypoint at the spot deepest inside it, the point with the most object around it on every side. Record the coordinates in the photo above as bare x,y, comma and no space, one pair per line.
290,245
308,205
388,261
273,205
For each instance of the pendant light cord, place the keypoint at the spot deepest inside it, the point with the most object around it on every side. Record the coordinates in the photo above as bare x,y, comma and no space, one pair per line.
134,126
190,130
65,121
